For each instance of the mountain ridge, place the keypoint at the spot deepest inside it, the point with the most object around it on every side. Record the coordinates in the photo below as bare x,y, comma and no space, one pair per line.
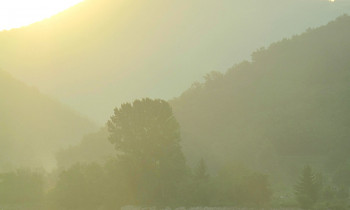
102,53
34,126
290,100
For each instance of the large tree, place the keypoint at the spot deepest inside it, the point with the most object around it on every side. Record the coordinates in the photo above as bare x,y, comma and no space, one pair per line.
147,139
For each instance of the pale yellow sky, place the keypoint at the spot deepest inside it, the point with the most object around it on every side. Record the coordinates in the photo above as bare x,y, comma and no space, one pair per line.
17,13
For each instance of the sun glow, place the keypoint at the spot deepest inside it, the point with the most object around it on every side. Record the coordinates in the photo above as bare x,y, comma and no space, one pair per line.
18,13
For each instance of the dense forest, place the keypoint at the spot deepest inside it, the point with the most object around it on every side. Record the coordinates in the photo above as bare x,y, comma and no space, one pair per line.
290,101
148,169
270,132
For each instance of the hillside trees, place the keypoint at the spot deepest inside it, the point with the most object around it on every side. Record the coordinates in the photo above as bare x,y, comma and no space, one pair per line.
290,101
237,185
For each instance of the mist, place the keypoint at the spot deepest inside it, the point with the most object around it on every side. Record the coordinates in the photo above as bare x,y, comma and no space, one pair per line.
116,104
96,50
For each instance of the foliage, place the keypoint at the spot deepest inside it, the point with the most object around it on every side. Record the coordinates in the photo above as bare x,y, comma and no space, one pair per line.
290,101
308,189
201,186
150,169
80,187
22,187
93,147
263,113
146,136
238,186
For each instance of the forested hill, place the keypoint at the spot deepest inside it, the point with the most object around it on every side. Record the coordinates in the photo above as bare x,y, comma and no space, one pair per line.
89,53
33,126
291,100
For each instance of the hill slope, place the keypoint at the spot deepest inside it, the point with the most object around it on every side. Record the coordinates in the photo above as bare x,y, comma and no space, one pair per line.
33,126
291,101
101,53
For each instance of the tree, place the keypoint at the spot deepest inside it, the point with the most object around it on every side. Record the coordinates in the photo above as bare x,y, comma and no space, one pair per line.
254,190
82,186
201,188
146,136
238,186
307,189
22,187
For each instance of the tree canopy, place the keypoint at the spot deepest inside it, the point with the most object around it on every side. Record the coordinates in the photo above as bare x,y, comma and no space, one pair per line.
147,139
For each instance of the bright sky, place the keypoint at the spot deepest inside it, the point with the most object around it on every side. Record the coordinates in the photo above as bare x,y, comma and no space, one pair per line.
17,13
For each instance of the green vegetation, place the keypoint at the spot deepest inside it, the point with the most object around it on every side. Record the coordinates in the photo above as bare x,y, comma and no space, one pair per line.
269,133
286,108
22,187
147,138
308,189
149,169
149,48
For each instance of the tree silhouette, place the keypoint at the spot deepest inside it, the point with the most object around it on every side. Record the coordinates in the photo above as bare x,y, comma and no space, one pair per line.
146,136
201,188
308,188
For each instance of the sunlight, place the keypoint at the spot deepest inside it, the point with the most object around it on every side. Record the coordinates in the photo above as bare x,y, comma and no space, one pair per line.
18,13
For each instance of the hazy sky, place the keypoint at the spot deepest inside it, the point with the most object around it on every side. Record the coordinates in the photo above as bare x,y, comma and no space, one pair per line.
102,53
17,13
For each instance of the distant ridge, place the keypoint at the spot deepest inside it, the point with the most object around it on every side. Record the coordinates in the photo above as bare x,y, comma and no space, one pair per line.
33,126
287,108
101,53
292,100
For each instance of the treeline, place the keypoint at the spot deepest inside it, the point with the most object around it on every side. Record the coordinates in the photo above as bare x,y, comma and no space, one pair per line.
149,169
111,186
92,186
